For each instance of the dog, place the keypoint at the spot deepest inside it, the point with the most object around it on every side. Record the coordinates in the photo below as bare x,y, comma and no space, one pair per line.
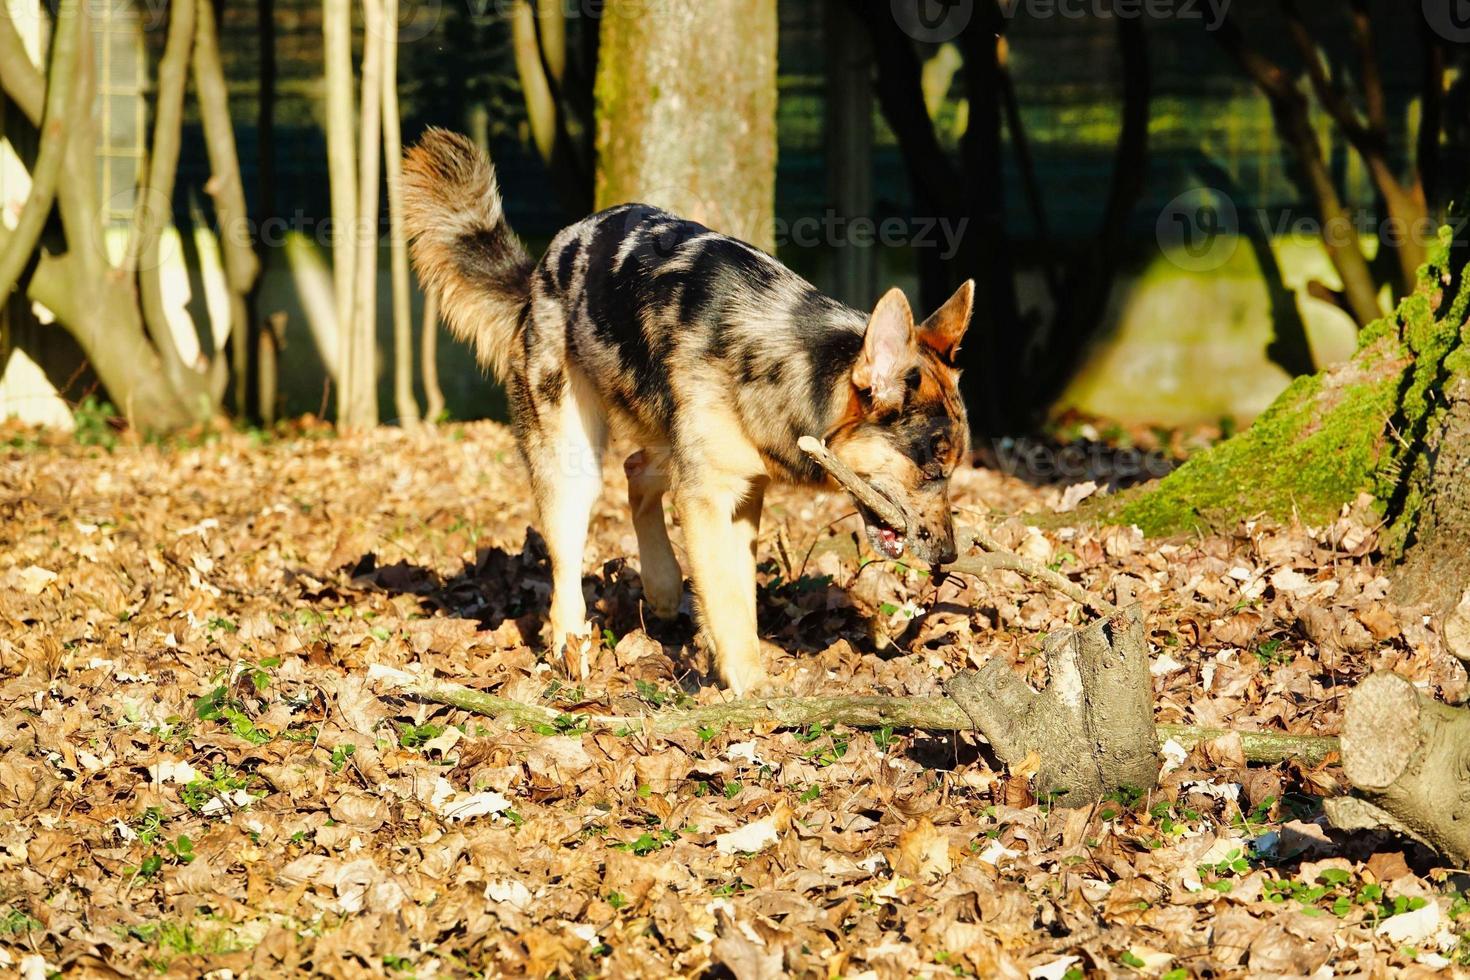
715,358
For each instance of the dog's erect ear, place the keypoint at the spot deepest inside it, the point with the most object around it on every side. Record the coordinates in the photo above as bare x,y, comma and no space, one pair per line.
945,328
888,350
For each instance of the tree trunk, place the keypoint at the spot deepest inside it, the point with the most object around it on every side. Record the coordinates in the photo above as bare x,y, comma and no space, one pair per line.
1091,731
848,146
95,302
154,211
227,189
64,98
404,402
429,360
358,409
1394,422
341,123
716,166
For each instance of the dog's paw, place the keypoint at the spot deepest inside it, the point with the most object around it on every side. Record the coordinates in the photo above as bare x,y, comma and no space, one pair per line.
663,603
574,646
744,675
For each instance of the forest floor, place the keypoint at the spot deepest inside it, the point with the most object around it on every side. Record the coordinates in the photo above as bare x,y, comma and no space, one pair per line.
198,774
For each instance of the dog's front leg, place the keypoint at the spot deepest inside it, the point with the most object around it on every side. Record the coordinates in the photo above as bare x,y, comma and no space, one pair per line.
722,565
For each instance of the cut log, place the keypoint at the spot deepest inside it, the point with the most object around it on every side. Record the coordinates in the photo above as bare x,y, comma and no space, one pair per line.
1408,758
1092,729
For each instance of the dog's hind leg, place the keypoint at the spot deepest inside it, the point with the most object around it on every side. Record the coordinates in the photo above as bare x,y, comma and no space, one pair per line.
648,481
564,447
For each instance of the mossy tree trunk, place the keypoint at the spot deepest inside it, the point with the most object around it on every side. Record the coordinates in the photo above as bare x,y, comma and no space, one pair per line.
716,166
1393,421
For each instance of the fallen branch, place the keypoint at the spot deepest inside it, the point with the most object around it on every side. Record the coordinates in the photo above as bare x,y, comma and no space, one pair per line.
1267,748
937,713
998,557
977,565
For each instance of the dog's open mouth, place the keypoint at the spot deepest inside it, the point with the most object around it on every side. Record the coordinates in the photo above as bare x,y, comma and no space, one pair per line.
886,540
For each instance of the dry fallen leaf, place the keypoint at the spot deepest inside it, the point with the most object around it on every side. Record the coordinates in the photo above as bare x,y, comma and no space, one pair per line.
922,852
33,579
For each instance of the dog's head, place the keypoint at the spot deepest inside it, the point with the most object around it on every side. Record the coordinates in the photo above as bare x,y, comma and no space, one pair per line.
905,430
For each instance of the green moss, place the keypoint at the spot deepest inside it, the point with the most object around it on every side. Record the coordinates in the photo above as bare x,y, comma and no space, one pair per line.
1331,436
1316,446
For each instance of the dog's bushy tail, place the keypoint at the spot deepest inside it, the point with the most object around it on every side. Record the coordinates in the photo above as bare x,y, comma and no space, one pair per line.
462,247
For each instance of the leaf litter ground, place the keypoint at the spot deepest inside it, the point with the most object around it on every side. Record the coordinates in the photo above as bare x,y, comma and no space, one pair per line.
197,774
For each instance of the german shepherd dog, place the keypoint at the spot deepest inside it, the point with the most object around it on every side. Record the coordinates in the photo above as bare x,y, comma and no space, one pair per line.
714,357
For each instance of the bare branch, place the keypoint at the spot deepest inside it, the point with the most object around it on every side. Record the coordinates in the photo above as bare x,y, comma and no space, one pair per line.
20,78
157,188
1329,93
1372,77
1269,77
155,196
20,242
852,483
227,189
1002,558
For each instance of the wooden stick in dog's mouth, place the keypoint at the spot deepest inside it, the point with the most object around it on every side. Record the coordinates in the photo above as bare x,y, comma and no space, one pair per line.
880,506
